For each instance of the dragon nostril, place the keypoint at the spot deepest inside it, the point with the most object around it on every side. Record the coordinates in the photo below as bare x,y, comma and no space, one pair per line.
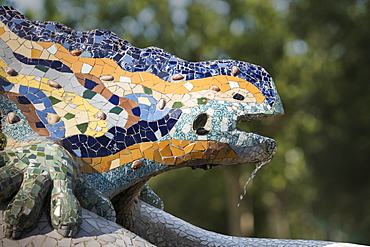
199,123
238,96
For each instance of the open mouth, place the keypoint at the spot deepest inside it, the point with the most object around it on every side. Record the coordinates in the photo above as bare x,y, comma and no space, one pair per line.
236,146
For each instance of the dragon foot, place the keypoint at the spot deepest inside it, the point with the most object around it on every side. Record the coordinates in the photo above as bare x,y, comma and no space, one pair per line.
32,174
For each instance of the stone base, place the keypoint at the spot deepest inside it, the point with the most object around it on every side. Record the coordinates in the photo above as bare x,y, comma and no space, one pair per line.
95,231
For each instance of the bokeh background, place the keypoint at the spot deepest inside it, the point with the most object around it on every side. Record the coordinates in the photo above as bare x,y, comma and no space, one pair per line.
318,52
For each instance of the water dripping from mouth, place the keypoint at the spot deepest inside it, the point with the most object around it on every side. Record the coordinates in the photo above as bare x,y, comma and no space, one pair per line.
253,174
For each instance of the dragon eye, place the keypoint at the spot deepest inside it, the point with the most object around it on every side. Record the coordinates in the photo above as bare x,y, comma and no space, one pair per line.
238,96
199,123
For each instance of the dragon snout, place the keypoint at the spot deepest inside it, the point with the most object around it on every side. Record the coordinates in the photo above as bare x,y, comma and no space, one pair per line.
271,147
258,149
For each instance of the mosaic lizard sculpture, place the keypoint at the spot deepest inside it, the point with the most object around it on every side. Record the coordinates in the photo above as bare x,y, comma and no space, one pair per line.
87,119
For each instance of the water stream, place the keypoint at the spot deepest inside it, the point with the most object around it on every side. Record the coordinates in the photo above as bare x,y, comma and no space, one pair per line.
253,174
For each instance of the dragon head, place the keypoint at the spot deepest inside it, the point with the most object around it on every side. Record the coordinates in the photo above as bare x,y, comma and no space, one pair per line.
211,127
192,122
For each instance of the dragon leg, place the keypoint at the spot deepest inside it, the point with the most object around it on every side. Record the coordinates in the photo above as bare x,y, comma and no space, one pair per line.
25,208
10,180
65,210
93,200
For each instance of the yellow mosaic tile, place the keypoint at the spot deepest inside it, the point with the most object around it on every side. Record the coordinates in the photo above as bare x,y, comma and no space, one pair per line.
175,142
220,155
97,70
169,161
189,148
197,155
177,151
115,163
201,145
136,153
145,146
163,144
166,151
259,97
232,154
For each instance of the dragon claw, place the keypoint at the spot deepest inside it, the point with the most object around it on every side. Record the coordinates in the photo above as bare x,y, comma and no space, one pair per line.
67,230
12,232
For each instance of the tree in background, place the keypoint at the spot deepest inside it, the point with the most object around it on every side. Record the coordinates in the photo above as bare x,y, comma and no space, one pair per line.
317,186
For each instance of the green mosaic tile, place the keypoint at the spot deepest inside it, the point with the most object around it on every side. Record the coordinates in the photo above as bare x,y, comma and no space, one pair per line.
3,158
105,206
2,161
117,110
177,105
28,183
35,189
49,163
49,157
82,127
16,210
65,208
147,90
202,101
40,154
65,217
73,213
37,171
18,203
60,176
54,100
30,204
69,116
2,141
26,160
42,68
64,169
88,94
23,165
21,155
57,169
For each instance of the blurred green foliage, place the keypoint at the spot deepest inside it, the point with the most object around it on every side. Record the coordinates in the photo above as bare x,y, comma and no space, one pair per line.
317,186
